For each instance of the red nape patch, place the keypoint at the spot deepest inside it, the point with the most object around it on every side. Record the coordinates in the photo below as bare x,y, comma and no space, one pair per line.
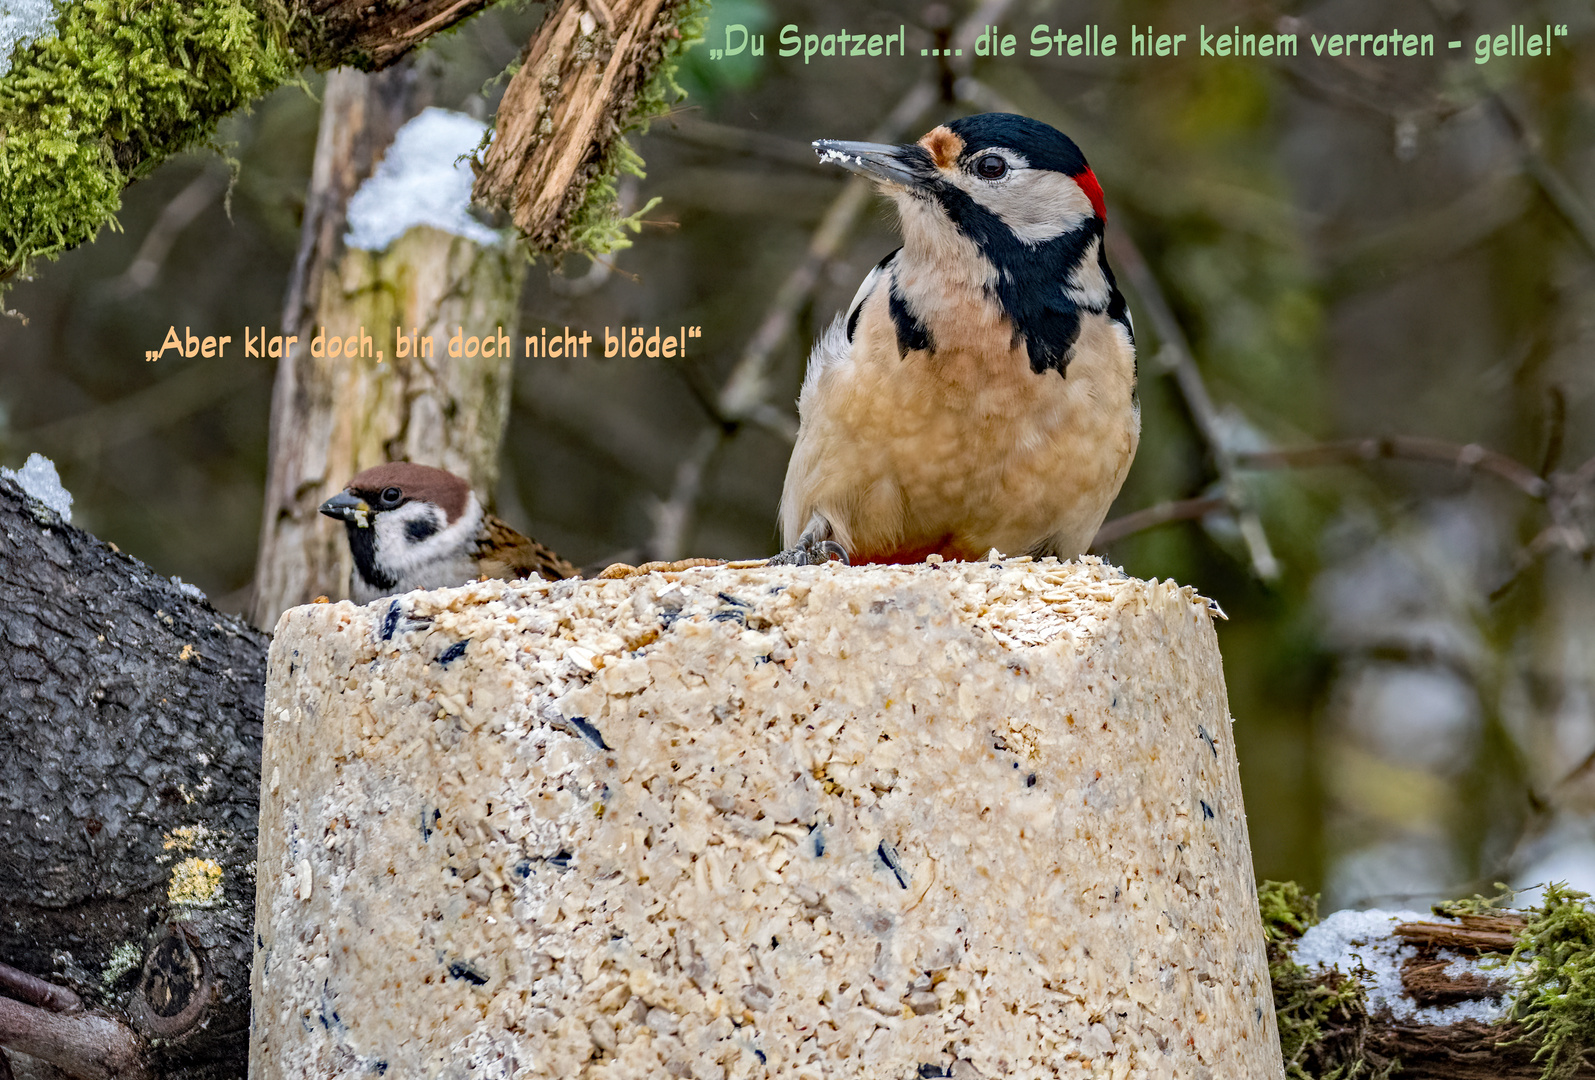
1093,191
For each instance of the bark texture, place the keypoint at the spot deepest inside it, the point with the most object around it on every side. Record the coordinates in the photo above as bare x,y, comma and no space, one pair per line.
565,106
130,719
333,416
372,36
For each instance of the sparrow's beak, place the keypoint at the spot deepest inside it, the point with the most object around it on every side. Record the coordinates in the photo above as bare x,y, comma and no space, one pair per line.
908,166
347,507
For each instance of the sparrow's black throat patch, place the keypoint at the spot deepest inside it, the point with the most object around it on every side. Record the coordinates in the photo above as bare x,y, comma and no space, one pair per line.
363,546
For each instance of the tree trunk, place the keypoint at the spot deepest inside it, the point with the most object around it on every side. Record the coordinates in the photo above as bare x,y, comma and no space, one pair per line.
333,416
130,715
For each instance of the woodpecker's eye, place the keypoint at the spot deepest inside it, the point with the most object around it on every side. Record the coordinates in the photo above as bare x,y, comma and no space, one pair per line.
391,496
991,167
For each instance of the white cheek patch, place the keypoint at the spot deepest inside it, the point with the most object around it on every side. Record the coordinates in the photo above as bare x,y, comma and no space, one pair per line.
402,555
1087,285
1035,204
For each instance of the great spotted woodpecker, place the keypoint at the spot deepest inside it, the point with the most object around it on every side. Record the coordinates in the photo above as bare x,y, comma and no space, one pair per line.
980,390
415,527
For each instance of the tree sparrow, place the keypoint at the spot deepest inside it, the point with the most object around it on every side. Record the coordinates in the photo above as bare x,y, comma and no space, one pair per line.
415,527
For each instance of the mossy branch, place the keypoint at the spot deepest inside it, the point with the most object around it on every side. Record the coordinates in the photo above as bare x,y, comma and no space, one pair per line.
1556,1003
559,147
118,86
1548,1032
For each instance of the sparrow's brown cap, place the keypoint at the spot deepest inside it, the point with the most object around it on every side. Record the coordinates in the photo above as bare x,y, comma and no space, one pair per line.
446,490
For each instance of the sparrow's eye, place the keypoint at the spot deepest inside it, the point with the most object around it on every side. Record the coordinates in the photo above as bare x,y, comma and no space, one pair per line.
991,167
391,496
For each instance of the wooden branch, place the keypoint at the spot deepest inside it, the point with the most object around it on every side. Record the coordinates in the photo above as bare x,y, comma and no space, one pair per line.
1153,516
1363,1044
1476,933
132,746
563,109
1468,1050
86,1046
36,992
371,35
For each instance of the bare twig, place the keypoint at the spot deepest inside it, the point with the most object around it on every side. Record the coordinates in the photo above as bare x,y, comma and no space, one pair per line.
1566,495
165,401
1379,96
672,518
1153,516
1174,356
176,216
35,991
1561,194
1471,457
1555,431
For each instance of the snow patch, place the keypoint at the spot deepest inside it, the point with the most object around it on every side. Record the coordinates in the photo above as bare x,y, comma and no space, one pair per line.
21,23
40,481
1362,943
421,181
193,592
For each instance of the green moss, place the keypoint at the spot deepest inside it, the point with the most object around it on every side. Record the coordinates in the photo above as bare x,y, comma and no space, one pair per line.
122,85
1322,1019
1477,904
1556,1002
597,227
1288,912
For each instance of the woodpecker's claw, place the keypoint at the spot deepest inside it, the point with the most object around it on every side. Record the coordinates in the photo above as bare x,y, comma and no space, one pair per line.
811,552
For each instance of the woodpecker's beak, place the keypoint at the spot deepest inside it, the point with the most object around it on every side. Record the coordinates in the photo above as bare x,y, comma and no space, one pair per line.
347,507
906,166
